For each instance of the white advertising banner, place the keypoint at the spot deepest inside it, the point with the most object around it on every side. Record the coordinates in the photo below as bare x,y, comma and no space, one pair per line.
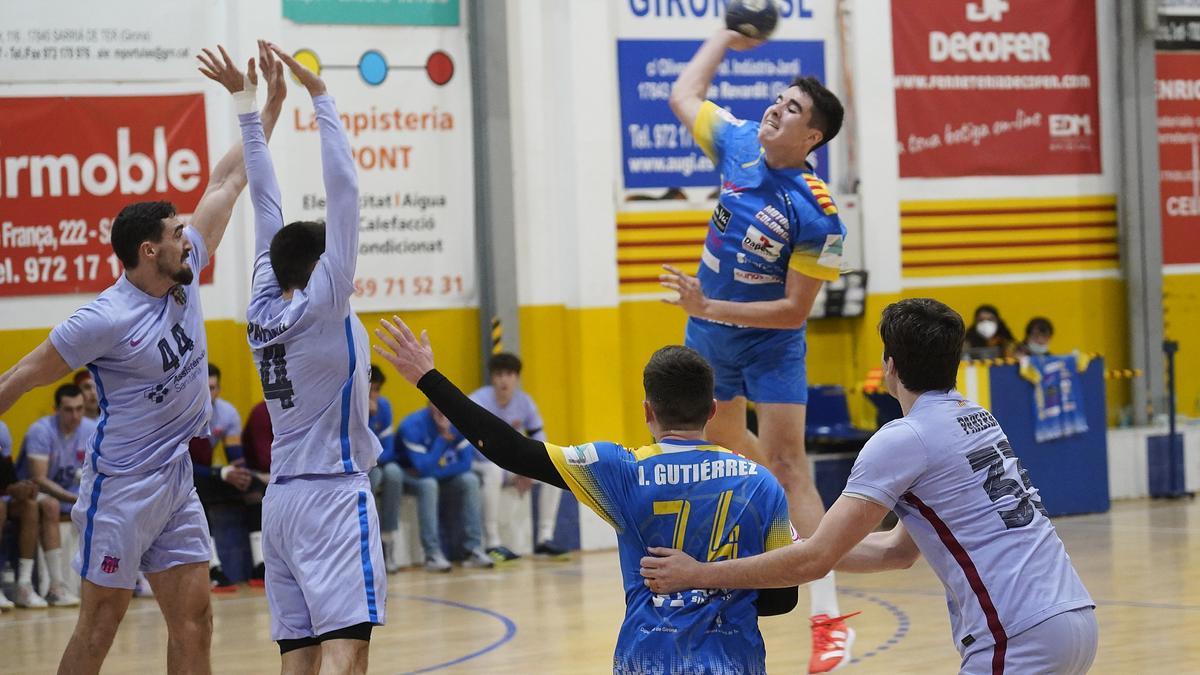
404,96
88,41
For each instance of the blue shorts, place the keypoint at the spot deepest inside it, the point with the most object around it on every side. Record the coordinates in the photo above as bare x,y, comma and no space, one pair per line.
323,555
146,522
764,365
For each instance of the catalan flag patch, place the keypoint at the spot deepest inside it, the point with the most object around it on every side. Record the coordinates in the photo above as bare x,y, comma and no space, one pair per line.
821,192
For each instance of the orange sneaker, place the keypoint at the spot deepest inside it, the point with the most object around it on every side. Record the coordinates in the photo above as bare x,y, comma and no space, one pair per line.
831,643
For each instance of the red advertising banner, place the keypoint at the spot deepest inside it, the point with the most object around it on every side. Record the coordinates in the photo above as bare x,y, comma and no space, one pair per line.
1178,87
996,87
68,166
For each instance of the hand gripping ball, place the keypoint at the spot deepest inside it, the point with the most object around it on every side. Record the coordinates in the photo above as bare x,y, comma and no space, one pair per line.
753,18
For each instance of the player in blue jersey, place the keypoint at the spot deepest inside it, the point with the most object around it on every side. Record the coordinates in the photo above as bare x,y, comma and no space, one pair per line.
773,240
946,468
143,341
325,576
682,490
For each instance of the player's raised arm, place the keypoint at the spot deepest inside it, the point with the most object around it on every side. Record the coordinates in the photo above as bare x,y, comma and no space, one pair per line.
341,180
496,439
691,87
260,171
38,368
228,177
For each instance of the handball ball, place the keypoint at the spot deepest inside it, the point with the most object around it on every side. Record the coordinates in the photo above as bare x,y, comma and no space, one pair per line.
752,18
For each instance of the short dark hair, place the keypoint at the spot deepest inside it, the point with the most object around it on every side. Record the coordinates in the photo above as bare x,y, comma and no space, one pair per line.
827,110
679,387
377,375
295,249
66,391
504,362
138,222
214,371
1041,324
82,375
924,338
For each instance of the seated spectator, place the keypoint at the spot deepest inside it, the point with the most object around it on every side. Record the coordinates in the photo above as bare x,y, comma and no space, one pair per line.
988,337
91,401
54,448
440,458
257,437
230,484
387,478
34,516
505,399
1038,332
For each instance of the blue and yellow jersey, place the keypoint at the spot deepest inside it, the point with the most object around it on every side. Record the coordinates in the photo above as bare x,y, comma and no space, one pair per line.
693,496
766,220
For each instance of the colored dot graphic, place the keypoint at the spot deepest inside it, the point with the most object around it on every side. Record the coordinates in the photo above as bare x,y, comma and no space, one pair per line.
373,67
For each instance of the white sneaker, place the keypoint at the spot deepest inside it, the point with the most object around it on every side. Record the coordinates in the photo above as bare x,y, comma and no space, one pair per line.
477,559
28,598
6,605
436,563
58,596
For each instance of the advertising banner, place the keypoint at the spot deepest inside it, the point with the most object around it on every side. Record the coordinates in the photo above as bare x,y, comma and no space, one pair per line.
657,39
996,87
367,12
404,96
1178,91
68,166
87,41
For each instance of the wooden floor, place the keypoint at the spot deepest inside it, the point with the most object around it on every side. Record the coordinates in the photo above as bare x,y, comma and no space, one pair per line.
1141,562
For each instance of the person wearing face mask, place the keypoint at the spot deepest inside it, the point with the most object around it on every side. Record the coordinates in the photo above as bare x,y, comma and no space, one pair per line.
1038,332
988,337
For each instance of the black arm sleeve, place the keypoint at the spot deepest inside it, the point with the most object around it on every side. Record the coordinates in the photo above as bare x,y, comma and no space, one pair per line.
499,442
776,601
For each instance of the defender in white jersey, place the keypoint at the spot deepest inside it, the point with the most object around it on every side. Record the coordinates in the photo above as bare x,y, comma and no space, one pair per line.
1016,603
143,341
325,576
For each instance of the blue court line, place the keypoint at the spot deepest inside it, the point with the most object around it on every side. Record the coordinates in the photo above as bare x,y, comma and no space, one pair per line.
902,622
510,629
1099,603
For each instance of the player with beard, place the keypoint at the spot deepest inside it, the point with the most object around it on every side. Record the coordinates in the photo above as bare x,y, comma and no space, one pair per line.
143,341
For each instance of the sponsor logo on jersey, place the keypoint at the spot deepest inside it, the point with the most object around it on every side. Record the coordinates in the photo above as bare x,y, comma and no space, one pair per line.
760,244
581,455
748,277
179,294
721,217
158,392
774,221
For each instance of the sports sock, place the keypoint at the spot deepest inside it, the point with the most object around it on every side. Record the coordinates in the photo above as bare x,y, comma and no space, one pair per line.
25,572
823,595
54,562
215,561
256,547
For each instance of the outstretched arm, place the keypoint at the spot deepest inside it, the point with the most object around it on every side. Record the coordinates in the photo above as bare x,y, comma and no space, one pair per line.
844,526
496,439
260,171
228,177
341,180
40,367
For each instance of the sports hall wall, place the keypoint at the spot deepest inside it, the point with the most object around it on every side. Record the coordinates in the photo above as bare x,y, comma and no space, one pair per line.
589,317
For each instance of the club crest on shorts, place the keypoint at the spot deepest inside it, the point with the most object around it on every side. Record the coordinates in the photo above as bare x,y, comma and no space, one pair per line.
110,564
